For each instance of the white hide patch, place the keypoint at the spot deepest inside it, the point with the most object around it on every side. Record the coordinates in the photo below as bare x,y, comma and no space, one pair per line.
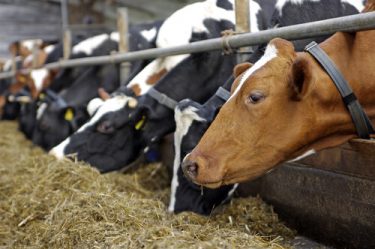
358,4
28,60
110,105
114,36
29,44
94,105
87,46
183,120
38,76
177,29
306,154
149,35
42,108
269,54
230,193
58,150
8,65
254,9
49,49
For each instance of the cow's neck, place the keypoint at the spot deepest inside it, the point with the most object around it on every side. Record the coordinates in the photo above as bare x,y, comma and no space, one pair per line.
350,53
353,54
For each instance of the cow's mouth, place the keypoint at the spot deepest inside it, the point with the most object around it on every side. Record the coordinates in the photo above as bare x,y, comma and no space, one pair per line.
211,185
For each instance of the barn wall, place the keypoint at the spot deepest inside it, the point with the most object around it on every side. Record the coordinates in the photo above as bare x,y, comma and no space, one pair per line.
24,19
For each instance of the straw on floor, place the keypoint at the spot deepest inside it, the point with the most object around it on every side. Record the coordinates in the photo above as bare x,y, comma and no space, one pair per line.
45,203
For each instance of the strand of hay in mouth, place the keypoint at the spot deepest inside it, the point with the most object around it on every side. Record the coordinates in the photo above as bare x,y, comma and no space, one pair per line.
46,203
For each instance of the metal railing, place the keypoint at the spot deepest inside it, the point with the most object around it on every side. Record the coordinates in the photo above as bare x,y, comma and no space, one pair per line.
358,22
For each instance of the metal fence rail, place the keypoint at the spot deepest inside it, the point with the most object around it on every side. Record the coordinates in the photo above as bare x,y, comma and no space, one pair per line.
364,21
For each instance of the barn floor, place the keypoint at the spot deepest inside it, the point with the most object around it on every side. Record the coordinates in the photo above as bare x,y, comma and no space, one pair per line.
46,203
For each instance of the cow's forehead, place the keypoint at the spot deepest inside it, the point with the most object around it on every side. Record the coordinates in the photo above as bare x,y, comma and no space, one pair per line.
111,105
270,54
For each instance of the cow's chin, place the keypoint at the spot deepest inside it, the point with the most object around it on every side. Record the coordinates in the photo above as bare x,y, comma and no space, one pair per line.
211,185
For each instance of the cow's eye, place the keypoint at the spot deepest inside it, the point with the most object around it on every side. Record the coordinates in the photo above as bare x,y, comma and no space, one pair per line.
256,97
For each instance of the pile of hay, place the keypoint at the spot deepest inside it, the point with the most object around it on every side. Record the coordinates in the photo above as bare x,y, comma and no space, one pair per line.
46,203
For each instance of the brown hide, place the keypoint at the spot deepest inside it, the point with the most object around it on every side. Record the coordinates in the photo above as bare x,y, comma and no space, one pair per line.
285,108
153,79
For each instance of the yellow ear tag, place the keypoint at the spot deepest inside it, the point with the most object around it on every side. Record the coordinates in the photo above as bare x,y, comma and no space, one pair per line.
69,115
22,79
42,96
140,123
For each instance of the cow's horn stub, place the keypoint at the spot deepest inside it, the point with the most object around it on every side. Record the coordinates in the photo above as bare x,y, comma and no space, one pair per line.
103,94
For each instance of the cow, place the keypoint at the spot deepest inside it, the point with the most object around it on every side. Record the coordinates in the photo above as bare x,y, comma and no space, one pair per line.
283,108
51,126
9,110
24,48
193,119
193,74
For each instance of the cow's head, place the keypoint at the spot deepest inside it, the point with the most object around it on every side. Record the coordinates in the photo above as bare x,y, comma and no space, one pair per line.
271,117
101,141
54,122
192,120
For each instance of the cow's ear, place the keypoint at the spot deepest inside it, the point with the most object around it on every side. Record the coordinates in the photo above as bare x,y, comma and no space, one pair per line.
13,48
237,71
301,78
240,68
103,94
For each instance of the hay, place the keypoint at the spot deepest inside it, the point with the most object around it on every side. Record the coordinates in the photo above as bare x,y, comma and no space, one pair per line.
46,203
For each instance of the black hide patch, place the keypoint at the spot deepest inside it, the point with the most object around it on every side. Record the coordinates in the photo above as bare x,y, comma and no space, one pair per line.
225,4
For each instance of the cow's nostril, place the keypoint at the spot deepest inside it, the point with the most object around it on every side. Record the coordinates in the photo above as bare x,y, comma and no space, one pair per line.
190,169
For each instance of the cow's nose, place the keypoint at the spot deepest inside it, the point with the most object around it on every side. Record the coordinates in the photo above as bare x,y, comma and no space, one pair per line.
190,169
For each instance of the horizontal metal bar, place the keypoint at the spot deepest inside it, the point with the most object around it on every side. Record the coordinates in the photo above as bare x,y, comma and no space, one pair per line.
6,75
358,22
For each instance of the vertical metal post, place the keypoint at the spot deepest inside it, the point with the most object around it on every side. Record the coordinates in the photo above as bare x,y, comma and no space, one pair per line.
123,47
242,8
66,34
14,63
67,44
35,52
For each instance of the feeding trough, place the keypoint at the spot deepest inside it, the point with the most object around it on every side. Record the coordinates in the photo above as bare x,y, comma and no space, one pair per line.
329,196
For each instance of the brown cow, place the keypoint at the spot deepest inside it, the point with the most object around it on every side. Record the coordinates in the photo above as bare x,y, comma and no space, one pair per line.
282,108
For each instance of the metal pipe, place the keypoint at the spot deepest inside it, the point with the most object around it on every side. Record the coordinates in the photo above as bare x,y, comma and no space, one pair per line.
364,21
64,16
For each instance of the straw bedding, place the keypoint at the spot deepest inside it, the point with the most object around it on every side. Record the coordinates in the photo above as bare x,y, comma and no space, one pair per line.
46,203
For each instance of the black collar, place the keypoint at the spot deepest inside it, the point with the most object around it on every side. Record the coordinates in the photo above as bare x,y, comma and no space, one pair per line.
361,121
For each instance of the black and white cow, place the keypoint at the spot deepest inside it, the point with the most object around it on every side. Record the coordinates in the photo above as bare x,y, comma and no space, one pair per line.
183,76
193,119
52,125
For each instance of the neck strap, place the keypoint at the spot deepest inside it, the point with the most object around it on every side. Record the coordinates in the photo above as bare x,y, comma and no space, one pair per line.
361,121
162,98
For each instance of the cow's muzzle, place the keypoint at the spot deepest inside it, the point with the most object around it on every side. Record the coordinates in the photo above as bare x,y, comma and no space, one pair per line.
195,169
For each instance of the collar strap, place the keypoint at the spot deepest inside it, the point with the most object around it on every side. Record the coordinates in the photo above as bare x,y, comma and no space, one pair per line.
223,93
55,97
62,104
361,121
162,98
